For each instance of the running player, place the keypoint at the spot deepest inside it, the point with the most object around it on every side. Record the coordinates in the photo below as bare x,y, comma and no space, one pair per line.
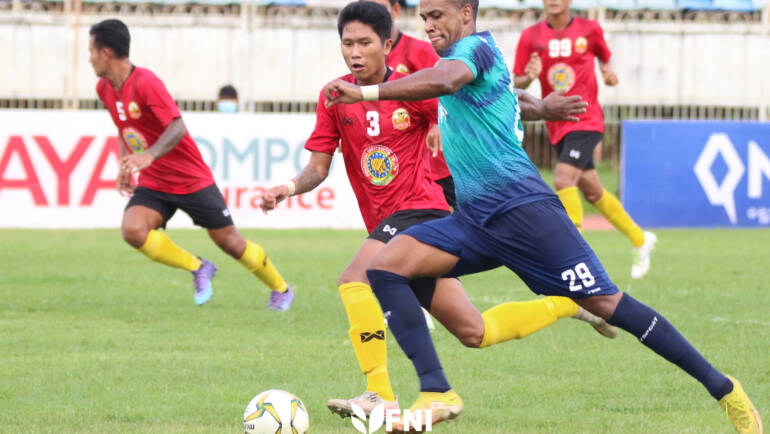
408,55
506,215
383,145
560,51
172,175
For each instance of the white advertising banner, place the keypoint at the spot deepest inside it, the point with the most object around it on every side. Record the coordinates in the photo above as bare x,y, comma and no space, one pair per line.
58,170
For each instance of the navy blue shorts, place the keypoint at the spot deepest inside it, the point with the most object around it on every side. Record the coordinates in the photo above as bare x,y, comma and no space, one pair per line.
537,241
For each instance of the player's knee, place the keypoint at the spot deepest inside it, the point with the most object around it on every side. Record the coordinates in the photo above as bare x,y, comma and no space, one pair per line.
232,244
134,234
562,182
592,196
472,337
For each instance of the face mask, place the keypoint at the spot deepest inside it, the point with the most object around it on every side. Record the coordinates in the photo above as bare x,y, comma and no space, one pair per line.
227,106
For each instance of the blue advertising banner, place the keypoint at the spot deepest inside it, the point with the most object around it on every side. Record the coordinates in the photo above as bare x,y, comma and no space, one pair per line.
696,173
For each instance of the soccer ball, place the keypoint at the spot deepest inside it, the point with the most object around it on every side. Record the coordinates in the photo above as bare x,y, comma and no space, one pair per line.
275,412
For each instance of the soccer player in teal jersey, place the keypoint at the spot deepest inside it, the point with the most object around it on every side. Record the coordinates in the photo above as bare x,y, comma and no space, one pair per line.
506,215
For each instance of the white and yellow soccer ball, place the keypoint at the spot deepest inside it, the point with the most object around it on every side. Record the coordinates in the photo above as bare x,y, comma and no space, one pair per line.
275,412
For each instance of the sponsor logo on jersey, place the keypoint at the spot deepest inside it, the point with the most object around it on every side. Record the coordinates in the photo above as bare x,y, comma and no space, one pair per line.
368,336
379,164
581,44
347,120
401,119
561,76
133,110
135,140
402,68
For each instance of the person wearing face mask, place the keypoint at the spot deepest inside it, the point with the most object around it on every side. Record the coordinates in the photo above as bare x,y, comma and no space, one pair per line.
227,101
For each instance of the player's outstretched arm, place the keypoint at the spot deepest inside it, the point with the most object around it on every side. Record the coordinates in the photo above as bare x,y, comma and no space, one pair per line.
447,77
171,136
310,177
554,107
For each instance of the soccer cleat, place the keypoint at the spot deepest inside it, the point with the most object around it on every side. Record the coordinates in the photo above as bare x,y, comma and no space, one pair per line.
740,410
599,324
367,402
281,301
442,405
641,264
202,281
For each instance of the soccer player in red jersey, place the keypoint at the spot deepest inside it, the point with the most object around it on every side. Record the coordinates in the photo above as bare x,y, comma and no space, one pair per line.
386,159
172,175
560,51
408,55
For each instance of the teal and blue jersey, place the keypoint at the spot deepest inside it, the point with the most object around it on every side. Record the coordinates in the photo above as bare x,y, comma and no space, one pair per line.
482,134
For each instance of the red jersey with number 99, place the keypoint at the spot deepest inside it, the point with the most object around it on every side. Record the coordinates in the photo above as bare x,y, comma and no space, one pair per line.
142,109
383,145
568,64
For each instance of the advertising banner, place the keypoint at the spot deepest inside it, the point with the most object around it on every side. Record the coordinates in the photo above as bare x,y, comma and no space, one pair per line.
58,170
696,173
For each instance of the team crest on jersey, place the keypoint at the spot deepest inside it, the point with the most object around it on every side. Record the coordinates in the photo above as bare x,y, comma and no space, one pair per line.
401,119
379,164
402,68
135,140
133,110
561,76
581,44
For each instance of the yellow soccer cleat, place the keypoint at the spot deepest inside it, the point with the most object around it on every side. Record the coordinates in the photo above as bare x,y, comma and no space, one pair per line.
740,410
434,406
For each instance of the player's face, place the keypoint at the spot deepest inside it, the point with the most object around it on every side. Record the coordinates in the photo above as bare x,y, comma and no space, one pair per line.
444,22
556,7
364,52
98,58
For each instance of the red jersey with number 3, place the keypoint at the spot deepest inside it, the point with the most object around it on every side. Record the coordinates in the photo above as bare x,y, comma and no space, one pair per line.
409,55
383,145
568,64
142,109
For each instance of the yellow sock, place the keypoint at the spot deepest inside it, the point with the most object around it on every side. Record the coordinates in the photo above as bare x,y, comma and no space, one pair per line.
159,247
571,200
255,260
613,211
367,334
517,319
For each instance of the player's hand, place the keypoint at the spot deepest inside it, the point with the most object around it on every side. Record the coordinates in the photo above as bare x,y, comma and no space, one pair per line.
434,140
557,107
341,92
124,183
136,162
534,66
273,196
610,78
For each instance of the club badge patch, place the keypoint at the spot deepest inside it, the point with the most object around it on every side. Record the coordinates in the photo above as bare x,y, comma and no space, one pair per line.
581,44
379,164
133,110
135,140
401,119
561,76
402,68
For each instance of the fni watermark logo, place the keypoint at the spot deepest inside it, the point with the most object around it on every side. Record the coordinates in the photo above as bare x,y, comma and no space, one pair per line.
405,420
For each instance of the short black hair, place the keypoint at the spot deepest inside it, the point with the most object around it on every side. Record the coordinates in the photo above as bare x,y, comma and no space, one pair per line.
228,92
474,4
372,14
112,34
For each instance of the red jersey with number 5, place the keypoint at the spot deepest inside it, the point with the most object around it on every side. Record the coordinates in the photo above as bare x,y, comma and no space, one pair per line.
410,55
142,109
383,145
568,64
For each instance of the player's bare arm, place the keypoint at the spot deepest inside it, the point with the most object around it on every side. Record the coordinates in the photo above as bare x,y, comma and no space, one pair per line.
310,177
608,74
433,140
554,107
531,72
172,135
124,177
447,77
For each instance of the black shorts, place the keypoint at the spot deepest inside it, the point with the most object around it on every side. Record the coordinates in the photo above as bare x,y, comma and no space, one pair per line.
577,148
206,206
396,223
448,186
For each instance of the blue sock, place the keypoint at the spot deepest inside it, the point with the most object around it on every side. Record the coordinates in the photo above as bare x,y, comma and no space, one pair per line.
654,331
407,323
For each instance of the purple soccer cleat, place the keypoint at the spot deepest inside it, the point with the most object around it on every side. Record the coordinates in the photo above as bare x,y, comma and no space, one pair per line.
281,301
202,281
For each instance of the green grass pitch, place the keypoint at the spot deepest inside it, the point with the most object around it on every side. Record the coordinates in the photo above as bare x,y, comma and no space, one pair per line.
96,338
